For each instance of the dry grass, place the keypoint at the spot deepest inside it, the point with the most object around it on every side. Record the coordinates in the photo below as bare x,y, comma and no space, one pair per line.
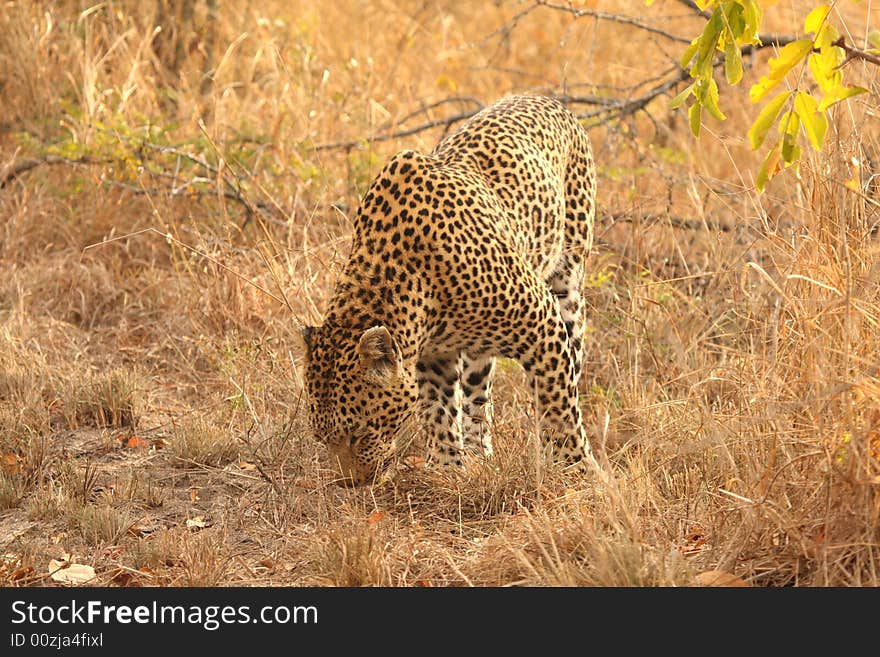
150,394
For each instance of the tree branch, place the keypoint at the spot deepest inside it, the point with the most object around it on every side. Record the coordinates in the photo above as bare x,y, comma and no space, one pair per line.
690,4
685,223
608,108
614,18
855,53
346,145
625,107
14,169
231,192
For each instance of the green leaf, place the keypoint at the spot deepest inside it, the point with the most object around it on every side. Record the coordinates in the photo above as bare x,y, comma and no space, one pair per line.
789,126
694,114
733,64
702,67
759,129
791,152
790,55
816,18
733,18
677,102
814,122
689,52
708,93
839,94
769,168
752,14
874,38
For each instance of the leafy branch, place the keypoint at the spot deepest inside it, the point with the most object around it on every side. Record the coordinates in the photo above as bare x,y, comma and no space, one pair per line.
14,168
731,27
126,160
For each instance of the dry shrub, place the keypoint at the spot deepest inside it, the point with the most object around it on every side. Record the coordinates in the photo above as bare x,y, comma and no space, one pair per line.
10,493
106,399
102,524
354,556
201,442
572,549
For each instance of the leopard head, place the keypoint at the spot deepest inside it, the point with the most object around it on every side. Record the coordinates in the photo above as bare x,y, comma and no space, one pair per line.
361,397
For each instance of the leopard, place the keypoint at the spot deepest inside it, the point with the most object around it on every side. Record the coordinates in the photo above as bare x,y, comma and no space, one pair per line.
474,252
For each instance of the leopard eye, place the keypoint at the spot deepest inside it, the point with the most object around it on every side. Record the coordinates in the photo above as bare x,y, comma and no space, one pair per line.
350,431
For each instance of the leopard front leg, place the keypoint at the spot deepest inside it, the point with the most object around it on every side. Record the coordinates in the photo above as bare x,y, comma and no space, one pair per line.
475,375
440,398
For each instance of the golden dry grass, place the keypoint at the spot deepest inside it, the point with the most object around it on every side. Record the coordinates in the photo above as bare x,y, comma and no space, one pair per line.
150,397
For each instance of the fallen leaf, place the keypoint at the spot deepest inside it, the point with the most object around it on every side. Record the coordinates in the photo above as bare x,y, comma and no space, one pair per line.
720,578
415,461
113,551
159,443
244,465
126,579
10,463
135,442
375,517
194,494
19,573
196,523
267,563
694,541
74,573
142,530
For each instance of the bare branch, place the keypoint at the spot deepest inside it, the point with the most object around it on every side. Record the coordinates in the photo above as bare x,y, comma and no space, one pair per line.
445,101
614,18
684,223
855,53
346,145
512,23
625,107
607,108
190,187
690,4
767,41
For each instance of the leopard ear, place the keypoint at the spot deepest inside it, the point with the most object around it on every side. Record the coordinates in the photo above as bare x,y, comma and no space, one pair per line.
306,334
376,349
